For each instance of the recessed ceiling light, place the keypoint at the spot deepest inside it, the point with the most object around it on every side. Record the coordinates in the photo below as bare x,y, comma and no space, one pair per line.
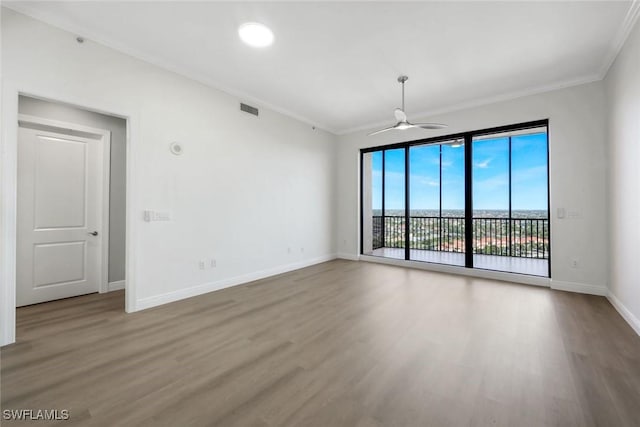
255,34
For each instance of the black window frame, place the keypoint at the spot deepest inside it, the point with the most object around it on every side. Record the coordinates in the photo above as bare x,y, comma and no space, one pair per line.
468,176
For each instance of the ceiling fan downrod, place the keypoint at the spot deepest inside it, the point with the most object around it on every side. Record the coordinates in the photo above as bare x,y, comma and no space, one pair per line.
402,79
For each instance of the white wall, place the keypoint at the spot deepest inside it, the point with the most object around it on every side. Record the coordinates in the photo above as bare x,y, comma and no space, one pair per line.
117,176
245,190
577,152
623,106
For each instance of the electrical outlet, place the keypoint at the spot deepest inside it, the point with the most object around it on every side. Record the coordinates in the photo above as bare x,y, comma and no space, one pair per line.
301,250
212,263
201,264
289,250
574,263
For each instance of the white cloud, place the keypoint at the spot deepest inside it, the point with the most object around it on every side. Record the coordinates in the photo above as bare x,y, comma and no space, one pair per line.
484,164
429,182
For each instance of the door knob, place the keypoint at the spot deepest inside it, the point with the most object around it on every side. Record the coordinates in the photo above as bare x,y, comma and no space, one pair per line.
94,233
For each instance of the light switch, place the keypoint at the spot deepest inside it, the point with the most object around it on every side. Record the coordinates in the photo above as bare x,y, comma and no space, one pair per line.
150,216
561,213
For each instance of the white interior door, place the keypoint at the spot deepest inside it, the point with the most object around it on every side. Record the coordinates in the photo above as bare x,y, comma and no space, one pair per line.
59,224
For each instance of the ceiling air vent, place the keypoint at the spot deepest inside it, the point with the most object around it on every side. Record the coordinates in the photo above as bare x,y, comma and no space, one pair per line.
249,109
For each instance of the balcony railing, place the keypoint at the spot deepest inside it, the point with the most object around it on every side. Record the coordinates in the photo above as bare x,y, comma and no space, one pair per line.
515,237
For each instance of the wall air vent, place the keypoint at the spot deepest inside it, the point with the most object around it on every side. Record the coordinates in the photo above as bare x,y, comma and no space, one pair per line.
249,109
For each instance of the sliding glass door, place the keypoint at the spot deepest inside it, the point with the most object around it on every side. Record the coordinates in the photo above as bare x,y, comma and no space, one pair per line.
510,202
478,200
436,221
383,219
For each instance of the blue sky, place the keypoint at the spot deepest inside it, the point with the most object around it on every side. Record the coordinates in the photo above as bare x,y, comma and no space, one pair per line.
490,175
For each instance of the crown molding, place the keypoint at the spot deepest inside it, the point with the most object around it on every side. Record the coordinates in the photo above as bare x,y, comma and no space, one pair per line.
89,35
614,49
619,40
480,102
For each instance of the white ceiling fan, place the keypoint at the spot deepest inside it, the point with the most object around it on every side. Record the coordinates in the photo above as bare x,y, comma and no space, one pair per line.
401,117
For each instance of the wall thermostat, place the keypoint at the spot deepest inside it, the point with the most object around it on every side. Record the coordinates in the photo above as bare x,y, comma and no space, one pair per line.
176,148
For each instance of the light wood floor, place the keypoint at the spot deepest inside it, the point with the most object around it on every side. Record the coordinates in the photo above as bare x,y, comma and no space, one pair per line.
337,344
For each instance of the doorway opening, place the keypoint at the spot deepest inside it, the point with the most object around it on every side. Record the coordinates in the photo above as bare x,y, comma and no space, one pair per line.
71,201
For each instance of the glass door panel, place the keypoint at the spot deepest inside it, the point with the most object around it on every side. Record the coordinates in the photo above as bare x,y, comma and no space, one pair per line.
372,202
529,198
510,202
394,204
490,171
424,196
453,223
436,184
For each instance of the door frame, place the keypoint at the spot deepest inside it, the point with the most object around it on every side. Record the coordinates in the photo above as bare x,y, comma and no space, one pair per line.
104,136
10,90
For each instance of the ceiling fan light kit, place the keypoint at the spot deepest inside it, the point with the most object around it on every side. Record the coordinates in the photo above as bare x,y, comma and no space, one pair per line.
401,117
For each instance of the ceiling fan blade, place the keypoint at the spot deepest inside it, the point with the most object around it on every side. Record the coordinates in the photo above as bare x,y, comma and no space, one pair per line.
430,125
382,130
400,115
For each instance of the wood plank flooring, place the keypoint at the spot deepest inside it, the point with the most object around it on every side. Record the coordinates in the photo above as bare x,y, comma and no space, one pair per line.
337,344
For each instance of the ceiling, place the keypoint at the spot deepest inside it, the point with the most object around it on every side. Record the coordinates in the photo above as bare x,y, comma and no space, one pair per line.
335,64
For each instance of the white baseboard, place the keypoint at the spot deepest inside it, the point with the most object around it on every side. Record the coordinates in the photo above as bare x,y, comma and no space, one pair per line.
204,288
580,288
627,315
115,286
350,257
